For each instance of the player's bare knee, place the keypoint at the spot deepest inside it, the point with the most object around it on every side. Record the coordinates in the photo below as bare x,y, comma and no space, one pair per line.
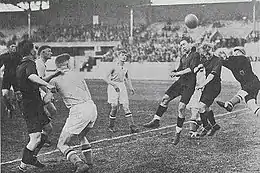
202,108
165,100
35,138
182,107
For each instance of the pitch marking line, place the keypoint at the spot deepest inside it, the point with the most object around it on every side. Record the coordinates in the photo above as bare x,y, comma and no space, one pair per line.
123,136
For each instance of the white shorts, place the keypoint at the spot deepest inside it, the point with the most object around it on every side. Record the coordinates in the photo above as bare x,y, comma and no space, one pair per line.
115,97
81,116
194,100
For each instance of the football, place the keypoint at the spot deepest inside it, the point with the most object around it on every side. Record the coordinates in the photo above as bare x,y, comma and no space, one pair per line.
191,21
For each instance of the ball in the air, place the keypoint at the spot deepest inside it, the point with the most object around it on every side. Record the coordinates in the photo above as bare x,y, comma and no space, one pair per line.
191,21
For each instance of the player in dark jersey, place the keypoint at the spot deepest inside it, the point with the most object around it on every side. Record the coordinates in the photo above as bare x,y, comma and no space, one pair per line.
33,111
10,60
211,88
183,87
241,69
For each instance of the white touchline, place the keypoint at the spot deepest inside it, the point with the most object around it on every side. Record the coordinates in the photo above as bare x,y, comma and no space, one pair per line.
119,137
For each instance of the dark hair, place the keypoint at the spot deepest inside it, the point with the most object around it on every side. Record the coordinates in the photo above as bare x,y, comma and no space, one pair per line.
25,47
42,48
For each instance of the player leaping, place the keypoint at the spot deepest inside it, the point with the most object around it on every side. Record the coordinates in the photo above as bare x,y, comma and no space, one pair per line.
241,68
183,87
211,88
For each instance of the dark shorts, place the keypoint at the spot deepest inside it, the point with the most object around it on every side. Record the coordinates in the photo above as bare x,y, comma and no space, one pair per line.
8,82
180,89
252,89
34,115
210,92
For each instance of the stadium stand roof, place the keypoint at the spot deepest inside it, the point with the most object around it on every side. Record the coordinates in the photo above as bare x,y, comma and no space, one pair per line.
186,2
21,5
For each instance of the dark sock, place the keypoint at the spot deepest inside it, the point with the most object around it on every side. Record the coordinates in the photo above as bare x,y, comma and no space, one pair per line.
204,119
27,155
211,118
160,110
40,145
180,122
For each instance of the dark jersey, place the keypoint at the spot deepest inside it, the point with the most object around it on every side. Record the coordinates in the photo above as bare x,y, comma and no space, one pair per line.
191,61
29,89
213,66
10,61
241,68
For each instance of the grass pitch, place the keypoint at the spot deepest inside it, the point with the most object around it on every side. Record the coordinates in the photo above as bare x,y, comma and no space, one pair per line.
234,149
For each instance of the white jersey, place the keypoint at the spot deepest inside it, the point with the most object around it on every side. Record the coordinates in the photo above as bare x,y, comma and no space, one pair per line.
72,87
118,74
41,67
41,70
194,100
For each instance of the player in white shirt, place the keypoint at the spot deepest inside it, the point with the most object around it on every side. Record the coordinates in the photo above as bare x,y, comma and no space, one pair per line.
194,104
74,91
44,54
117,92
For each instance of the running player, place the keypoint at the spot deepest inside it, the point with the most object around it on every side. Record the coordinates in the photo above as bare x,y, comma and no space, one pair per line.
183,87
74,91
33,112
117,92
10,60
211,88
241,68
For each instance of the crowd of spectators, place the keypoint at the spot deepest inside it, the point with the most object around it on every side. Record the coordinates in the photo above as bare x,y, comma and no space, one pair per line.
83,33
149,45
162,45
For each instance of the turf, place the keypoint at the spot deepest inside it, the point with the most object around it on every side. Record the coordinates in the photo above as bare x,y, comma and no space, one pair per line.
229,151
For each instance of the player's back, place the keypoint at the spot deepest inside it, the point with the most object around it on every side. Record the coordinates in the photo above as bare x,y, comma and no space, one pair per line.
241,68
72,87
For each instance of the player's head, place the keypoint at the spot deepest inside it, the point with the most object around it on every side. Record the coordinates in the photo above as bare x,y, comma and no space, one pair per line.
238,51
11,46
62,61
45,52
26,48
206,49
185,46
222,53
122,58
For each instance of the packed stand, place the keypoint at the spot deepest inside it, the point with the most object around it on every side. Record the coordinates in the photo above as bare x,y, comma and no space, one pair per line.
83,33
